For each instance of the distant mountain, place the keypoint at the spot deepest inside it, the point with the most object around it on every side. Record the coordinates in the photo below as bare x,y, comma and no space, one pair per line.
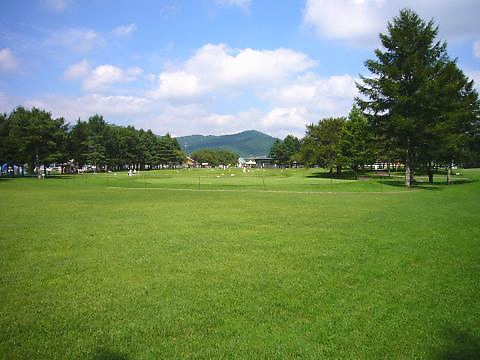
247,143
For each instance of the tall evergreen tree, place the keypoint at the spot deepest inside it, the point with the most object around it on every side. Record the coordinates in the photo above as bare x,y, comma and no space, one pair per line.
40,139
78,142
396,97
454,116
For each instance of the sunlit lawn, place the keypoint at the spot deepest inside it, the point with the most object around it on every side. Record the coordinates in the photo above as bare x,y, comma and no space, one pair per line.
269,264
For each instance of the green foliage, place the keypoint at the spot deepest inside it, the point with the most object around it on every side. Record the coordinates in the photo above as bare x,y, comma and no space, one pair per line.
169,150
33,137
118,147
357,144
283,152
215,157
321,143
454,116
246,143
417,101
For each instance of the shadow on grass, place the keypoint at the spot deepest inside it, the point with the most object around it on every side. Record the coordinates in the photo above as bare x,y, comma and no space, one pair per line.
48,177
436,186
344,175
107,354
459,344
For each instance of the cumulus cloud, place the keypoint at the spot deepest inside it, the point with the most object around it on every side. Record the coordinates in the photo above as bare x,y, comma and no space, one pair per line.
178,85
358,22
71,108
310,88
123,31
282,120
101,77
79,40
344,19
218,67
77,71
217,90
276,91
8,60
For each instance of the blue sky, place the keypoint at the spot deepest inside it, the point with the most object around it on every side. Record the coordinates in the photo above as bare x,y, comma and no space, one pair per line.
206,66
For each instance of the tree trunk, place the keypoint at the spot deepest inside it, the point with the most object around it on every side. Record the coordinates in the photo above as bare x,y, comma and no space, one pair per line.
449,173
430,172
408,174
409,180
37,164
339,169
408,167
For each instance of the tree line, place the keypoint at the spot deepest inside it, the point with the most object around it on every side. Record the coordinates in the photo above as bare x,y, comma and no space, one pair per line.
215,157
416,107
33,137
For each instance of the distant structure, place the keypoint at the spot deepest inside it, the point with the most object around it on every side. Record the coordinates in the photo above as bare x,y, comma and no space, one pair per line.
260,162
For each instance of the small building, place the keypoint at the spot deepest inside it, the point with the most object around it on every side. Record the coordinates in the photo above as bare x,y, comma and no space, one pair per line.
68,168
241,162
260,162
189,162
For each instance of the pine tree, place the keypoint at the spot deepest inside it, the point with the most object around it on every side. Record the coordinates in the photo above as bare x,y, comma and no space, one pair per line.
396,97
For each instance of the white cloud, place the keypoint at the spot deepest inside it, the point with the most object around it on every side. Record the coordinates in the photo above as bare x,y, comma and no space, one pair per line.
344,19
282,120
79,40
77,71
8,60
476,49
101,77
220,68
310,89
56,5
123,31
359,22
217,90
179,84
71,108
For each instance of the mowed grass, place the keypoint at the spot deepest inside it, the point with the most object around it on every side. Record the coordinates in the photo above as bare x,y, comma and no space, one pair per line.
119,268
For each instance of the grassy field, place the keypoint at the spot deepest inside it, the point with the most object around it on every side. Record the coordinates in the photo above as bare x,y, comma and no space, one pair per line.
267,264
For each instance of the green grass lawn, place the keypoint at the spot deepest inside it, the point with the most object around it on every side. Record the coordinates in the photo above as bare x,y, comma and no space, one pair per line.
284,264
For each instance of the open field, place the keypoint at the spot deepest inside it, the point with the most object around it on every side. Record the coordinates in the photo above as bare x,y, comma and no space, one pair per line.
267,264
